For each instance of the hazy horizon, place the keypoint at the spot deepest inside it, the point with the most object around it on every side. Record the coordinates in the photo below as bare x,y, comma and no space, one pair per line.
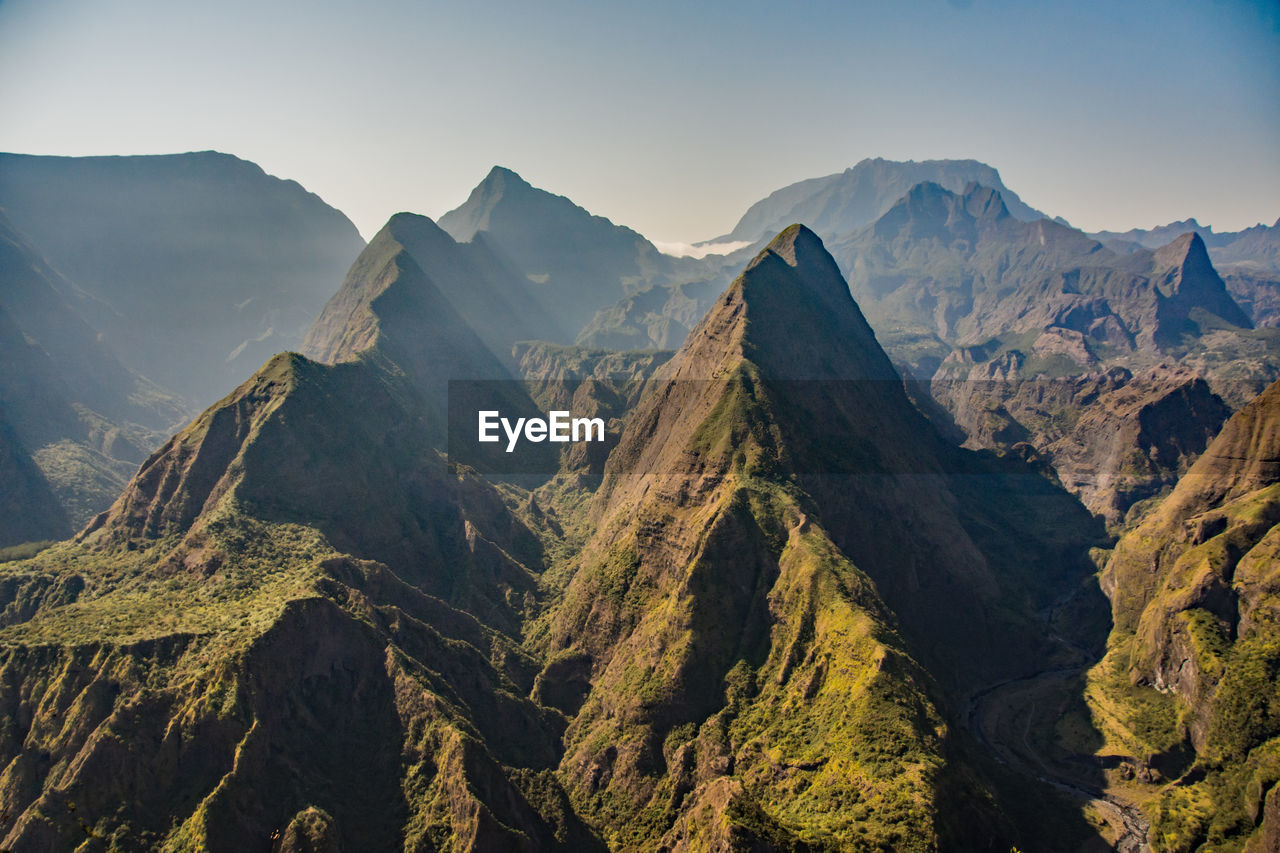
669,120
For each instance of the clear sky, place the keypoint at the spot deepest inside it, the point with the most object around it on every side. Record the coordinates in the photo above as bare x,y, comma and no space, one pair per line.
670,117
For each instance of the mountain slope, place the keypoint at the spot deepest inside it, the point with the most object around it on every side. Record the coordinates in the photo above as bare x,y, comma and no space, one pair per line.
576,263
1248,260
490,298
1257,245
295,591
206,265
844,202
1018,325
1196,597
962,267
69,405
29,511
381,311
728,645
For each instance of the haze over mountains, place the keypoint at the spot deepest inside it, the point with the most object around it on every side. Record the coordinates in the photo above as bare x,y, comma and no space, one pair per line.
1249,260
832,582
576,263
843,202
74,422
138,288
202,248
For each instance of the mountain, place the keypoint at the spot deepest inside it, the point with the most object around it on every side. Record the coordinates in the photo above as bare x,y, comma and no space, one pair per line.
942,269
654,317
1250,265
959,265
1257,244
1026,332
1113,438
29,511
1248,260
194,267
1037,328
781,549
296,591
1195,653
1257,247
761,629
466,283
838,204
1154,238
575,263
76,421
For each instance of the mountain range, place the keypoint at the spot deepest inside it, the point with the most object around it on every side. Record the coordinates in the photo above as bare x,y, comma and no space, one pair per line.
201,248
950,531
1249,260
861,194
575,263
309,518
74,421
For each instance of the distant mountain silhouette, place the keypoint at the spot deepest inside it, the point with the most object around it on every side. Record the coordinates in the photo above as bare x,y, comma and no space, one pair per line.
846,201
81,420
576,263
197,267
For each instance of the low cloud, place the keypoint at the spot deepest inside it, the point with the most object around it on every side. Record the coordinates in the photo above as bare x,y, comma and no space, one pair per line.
689,250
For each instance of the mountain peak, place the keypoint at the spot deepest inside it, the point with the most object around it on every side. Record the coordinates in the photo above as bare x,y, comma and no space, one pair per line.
576,263
791,314
797,245
502,177
389,307
1188,279
984,202
842,203
1187,254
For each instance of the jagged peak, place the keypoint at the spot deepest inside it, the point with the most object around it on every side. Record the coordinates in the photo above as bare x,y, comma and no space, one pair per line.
501,178
1184,250
388,303
796,245
815,270
413,230
502,173
984,202
927,189
790,313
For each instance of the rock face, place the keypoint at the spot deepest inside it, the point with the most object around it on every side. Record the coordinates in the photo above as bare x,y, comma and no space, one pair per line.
196,267
1114,439
1196,596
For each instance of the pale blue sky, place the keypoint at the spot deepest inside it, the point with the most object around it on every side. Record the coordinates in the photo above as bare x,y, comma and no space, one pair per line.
669,117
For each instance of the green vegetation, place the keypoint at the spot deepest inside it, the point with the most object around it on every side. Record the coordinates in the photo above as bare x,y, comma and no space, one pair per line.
24,551
235,583
1213,536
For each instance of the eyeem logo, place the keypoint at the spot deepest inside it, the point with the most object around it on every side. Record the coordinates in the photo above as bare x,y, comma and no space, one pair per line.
557,427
